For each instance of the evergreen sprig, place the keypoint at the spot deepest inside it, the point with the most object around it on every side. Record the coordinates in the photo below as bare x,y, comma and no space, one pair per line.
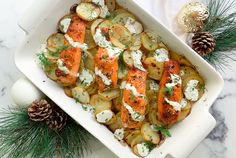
20,137
221,23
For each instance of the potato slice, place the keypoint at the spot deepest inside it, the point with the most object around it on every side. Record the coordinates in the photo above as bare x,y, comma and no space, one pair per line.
110,94
86,78
135,150
89,62
89,40
184,114
186,71
137,140
132,135
100,104
80,95
55,42
93,89
128,60
153,118
68,91
181,59
122,73
105,24
51,71
136,42
149,134
120,36
116,125
111,5
149,40
64,23
93,51
95,25
117,102
154,68
122,18
88,11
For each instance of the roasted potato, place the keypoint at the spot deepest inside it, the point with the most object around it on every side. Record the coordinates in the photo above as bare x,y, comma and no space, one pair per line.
137,140
64,23
186,71
149,134
122,18
154,68
93,89
89,61
100,104
149,40
136,42
95,25
131,136
181,59
117,124
80,95
128,60
89,40
88,11
111,5
109,94
68,91
55,42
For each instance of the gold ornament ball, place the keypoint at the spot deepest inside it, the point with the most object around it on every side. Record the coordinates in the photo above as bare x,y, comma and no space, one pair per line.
192,16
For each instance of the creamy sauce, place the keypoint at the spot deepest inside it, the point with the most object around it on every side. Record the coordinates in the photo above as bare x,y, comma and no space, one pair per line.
65,23
143,150
119,133
137,56
161,55
122,85
133,26
101,40
133,90
104,78
83,46
104,9
174,104
88,108
191,93
86,78
183,103
104,116
153,86
134,115
175,80
61,67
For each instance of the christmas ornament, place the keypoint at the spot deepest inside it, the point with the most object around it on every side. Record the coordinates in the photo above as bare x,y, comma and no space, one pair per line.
57,119
203,43
192,16
23,92
40,110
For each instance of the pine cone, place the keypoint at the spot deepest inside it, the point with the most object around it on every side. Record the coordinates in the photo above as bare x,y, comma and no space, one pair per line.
39,110
203,43
57,120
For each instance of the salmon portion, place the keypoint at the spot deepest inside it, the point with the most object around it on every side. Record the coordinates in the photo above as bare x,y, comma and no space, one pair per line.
108,67
71,57
137,79
166,113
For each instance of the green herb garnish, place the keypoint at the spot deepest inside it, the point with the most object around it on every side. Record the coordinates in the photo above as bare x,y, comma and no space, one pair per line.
121,62
149,145
43,60
163,130
169,90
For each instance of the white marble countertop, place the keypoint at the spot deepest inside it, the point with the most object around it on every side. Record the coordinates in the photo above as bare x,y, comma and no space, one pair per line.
220,143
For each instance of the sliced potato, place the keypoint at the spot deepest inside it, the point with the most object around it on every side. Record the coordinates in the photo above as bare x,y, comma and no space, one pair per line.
122,18
150,40
137,140
117,102
181,59
95,25
186,71
93,89
51,71
64,23
89,40
122,73
151,89
149,134
184,114
132,135
153,118
116,125
100,104
89,60
111,5
110,94
88,11
128,60
154,68
105,24
120,36
135,150
93,51
55,42
68,91
188,106
136,42
80,95
134,26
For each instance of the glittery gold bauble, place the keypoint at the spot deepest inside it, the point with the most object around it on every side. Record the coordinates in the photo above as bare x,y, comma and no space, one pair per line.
192,16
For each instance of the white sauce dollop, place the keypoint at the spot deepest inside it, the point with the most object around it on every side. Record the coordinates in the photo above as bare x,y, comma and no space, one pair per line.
133,90
119,133
174,104
161,55
65,23
104,9
104,78
137,56
104,116
86,78
153,86
88,108
133,26
83,46
191,93
175,80
101,40
183,103
143,150
134,115
61,67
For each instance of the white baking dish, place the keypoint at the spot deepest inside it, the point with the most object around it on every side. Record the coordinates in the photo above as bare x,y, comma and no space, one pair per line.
40,21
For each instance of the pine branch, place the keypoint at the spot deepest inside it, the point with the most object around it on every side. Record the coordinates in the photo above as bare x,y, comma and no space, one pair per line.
21,137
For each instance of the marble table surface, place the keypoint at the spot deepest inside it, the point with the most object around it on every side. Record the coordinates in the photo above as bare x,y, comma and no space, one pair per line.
220,143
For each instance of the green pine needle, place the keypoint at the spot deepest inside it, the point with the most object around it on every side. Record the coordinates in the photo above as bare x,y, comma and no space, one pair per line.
20,137
222,25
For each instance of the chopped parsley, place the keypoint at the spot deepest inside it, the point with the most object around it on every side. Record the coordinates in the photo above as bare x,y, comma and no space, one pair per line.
149,145
169,90
121,62
43,60
163,130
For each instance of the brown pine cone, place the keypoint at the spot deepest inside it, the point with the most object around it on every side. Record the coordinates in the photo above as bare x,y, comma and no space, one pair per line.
39,110
203,43
57,120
